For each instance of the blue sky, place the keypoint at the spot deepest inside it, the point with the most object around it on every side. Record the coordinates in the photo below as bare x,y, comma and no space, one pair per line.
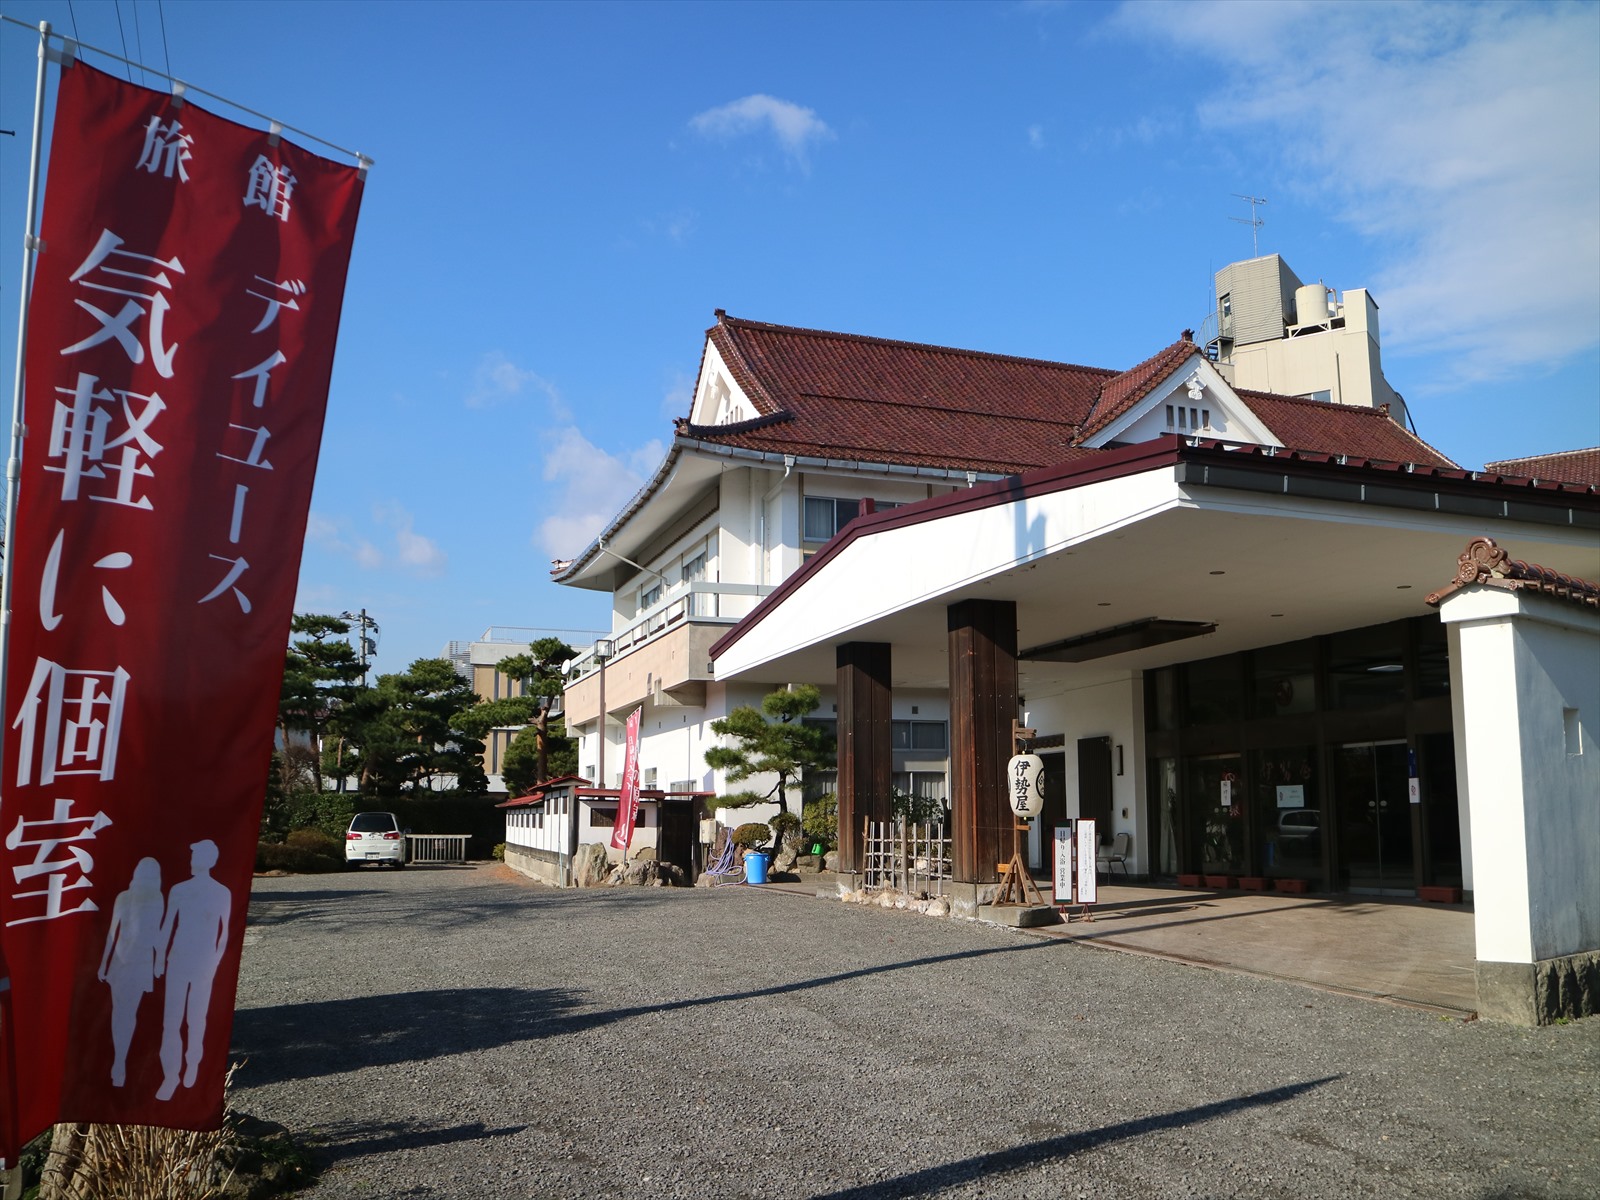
564,193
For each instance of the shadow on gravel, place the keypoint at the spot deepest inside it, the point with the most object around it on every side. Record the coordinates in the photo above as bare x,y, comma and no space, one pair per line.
328,1037
933,1180
357,1139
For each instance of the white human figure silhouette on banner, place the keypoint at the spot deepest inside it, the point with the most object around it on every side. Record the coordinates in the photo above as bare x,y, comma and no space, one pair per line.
132,957
193,935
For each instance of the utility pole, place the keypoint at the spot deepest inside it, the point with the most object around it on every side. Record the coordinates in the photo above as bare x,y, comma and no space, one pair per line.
365,646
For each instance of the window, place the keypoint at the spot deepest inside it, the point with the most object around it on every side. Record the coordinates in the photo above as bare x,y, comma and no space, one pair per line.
919,735
1227,304
824,517
649,596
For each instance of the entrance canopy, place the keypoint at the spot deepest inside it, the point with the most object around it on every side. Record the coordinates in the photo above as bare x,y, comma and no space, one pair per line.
1150,555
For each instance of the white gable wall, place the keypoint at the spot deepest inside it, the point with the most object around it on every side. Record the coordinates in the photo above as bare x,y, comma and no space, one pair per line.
1194,401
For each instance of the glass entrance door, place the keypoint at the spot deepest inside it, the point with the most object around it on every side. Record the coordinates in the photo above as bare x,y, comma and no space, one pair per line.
1375,841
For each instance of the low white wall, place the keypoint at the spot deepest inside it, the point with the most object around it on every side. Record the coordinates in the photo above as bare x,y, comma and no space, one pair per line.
1528,675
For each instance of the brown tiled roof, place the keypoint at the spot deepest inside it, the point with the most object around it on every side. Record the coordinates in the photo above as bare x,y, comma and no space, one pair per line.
1567,466
868,399
1341,429
1124,391
1484,562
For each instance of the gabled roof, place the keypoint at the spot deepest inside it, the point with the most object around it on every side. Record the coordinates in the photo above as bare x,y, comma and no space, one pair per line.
846,396
1123,392
1566,466
851,400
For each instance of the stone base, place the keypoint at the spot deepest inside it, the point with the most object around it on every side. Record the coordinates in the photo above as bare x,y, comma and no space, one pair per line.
1018,916
844,883
967,898
1542,992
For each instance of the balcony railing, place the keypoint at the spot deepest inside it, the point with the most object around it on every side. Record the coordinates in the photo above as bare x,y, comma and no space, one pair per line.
693,601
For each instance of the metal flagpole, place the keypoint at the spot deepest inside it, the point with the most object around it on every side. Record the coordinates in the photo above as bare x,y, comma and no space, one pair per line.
30,254
12,1178
181,88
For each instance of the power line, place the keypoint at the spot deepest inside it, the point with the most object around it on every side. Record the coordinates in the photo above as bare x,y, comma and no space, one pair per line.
166,56
123,34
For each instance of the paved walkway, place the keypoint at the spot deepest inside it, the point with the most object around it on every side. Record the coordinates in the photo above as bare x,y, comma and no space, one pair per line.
1399,951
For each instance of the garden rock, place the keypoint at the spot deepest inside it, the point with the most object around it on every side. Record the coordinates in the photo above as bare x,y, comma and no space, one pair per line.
590,866
830,861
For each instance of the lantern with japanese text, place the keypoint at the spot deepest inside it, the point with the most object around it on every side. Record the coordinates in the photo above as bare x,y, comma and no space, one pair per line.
1025,785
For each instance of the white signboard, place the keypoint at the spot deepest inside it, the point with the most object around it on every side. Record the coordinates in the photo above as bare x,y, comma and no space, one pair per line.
1088,847
1414,789
1292,795
1063,864
1227,793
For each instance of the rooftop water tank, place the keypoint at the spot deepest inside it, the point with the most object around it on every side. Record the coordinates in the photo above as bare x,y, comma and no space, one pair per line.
1311,304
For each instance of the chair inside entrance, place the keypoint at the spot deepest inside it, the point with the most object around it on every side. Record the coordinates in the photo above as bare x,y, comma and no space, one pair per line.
1116,855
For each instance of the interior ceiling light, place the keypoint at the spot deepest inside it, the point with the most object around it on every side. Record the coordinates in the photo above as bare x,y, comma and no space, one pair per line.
1118,639
1386,668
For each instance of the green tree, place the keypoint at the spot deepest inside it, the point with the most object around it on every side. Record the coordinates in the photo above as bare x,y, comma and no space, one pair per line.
410,726
543,743
771,740
321,676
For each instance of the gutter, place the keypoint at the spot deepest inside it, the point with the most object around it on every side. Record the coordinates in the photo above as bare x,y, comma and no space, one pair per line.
760,458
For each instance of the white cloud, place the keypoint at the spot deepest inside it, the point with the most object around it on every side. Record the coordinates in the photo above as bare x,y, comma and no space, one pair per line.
796,128
1036,136
497,378
1464,140
402,548
586,488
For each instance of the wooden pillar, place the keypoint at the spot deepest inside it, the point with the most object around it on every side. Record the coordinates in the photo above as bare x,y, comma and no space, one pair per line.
866,755
983,703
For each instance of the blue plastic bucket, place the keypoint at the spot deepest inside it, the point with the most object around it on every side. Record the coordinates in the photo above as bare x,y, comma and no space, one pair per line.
755,866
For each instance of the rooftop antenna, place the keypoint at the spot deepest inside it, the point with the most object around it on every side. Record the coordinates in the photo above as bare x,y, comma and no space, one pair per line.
1254,221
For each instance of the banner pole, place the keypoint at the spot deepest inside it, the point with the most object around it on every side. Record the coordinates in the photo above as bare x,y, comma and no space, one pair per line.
11,1173
30,253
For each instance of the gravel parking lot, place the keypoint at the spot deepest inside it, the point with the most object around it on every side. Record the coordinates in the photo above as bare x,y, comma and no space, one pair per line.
460,1032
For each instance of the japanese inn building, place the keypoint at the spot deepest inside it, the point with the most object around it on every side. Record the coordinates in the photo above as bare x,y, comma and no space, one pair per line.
1278,640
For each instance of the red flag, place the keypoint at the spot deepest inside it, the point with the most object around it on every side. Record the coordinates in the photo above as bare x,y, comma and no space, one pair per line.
628,804
181,337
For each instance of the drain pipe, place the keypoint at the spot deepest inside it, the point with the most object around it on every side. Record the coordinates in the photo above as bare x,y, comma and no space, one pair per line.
761,544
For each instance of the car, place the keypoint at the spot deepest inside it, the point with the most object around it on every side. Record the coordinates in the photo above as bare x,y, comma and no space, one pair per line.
374,837
1300,832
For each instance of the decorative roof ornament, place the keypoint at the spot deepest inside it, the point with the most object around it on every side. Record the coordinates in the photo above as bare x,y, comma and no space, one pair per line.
1485,562
1196,386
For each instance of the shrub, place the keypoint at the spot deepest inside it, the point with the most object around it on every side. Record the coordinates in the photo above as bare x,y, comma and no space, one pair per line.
303,852
499,852
784,826
751,835
820,820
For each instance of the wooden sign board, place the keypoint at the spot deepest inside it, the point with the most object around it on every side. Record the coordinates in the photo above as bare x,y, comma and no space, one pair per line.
1062,861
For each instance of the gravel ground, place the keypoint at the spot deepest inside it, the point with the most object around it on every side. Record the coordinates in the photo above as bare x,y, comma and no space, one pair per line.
462,1032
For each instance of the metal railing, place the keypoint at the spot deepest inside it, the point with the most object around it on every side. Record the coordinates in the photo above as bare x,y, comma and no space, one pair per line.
905,857
436,847
695,600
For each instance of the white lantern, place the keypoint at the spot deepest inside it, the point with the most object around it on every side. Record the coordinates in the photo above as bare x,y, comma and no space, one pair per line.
1025,785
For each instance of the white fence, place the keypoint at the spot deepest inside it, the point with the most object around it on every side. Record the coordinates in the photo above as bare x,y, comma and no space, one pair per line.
436,847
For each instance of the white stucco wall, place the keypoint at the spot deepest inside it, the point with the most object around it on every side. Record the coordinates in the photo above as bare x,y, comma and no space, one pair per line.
1528,672
1116,710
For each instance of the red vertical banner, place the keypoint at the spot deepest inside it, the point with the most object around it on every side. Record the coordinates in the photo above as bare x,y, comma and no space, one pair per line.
181,338
628,804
